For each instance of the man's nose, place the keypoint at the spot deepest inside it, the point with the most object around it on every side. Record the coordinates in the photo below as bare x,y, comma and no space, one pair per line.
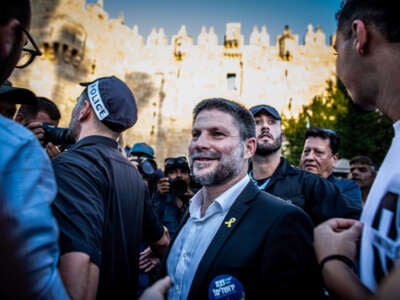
310,156
202,141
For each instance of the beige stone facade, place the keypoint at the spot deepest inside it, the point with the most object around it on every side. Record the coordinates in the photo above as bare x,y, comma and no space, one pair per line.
169,75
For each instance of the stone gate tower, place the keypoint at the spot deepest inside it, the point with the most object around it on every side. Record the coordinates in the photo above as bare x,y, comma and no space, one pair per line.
170,75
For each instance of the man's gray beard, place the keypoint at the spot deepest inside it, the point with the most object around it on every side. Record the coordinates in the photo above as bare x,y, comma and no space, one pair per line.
228,167
267,149
219,177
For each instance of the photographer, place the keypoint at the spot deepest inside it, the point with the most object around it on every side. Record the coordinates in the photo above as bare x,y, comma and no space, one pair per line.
142,157
42,119
173,193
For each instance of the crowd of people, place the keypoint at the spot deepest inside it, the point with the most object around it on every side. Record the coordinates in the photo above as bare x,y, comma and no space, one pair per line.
82,219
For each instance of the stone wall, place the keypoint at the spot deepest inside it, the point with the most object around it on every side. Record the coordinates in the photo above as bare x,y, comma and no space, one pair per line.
170,75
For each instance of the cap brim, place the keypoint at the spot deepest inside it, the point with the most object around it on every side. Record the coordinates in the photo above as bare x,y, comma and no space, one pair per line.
88,83
256,110
17,95
269,110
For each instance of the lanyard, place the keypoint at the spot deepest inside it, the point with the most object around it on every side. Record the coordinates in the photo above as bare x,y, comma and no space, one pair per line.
262,186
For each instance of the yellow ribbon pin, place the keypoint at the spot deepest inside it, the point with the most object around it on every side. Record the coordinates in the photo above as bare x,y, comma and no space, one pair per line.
230,222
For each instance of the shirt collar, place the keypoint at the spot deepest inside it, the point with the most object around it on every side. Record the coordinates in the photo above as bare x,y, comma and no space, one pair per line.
396,127
225,200
95,139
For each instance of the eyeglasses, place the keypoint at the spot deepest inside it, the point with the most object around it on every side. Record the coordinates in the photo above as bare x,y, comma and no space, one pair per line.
27,54
180,161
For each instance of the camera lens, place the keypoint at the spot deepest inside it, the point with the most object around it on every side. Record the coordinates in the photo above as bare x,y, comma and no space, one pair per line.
178,186
57,136
147,167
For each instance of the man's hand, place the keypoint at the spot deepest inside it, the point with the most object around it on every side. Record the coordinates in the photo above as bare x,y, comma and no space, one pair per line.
337,236
189,194
157,290
52,150
163,185
147,260
37,129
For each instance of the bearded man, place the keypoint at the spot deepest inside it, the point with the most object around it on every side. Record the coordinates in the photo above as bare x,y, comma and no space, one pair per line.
272,173
235,240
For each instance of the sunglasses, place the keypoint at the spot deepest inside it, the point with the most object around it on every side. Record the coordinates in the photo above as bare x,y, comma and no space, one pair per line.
180,161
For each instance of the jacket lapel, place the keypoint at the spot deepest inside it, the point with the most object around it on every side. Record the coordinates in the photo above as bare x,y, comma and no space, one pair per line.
231,221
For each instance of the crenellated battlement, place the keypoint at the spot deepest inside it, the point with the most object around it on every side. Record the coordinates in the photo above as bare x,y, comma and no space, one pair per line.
169,74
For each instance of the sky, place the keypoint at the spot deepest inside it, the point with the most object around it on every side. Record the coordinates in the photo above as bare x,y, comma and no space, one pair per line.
274,14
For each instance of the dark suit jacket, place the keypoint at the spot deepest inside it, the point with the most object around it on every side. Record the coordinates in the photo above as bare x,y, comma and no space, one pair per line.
320,198
268,249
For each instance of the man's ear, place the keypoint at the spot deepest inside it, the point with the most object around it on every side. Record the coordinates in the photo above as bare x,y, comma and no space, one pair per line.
19,118
86,111
250,147
360,34
335,157
7,37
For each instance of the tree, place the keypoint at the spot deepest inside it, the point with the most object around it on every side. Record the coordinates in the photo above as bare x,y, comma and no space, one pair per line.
361,133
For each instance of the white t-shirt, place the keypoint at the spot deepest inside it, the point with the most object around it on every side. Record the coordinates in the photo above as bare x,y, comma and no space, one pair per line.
380,245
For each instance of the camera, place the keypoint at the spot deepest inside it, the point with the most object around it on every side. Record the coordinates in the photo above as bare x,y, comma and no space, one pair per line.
146,166
57,136
178,187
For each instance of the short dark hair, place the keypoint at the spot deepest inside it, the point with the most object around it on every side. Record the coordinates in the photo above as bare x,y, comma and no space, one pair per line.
241,116
325,133
30,111
18,9
383,14
365,160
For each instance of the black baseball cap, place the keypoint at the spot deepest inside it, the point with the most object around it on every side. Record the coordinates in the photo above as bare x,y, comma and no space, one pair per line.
16,95
268,109
113,102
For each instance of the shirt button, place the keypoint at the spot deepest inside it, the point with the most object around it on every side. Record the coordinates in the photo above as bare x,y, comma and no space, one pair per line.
177,288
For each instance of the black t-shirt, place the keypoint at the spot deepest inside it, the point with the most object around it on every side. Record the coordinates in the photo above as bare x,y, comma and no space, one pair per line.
103,209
